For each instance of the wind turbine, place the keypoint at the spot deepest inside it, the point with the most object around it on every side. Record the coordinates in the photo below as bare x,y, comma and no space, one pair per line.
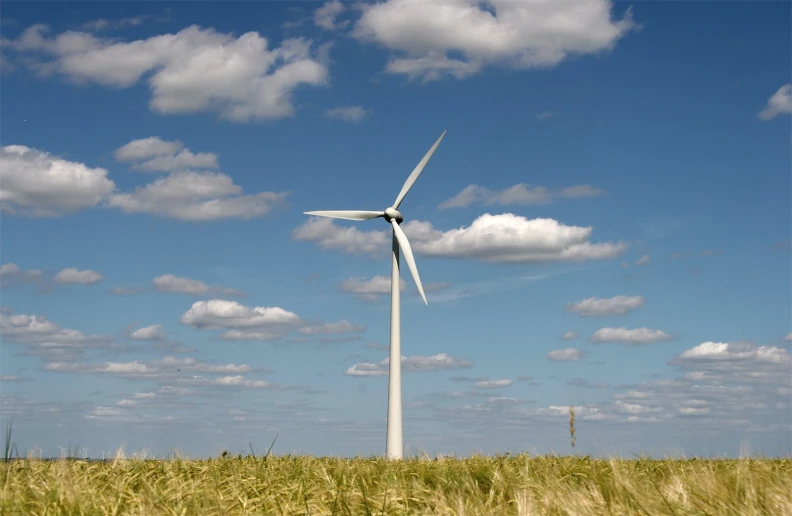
394,446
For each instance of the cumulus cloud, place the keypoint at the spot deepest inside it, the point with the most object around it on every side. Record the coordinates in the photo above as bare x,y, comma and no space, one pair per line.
46,339
196,196
618,305
342,326
737,385
34,183
349,239
439,362
240,322
352,114
732,361
496,32
511,238
241,78
153,332
74,276
517,194
505,238
570,335
779,104
725,384
326,15
153,154
643,260
370,290
12,274
147,148
566,354
635,336
9,269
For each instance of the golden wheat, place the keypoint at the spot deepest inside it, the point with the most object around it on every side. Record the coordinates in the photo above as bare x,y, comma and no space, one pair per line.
478,485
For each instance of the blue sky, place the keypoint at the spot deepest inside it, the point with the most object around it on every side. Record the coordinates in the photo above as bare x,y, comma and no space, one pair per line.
606,224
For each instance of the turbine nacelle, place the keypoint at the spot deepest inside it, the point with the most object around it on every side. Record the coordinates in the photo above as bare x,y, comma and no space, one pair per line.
393,214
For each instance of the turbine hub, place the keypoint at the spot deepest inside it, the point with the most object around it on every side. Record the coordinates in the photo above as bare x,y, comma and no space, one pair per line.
393,214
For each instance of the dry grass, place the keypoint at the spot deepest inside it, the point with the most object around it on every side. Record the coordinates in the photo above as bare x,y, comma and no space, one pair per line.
475,486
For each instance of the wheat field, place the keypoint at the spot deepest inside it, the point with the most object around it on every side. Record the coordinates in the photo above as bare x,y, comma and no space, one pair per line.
477,485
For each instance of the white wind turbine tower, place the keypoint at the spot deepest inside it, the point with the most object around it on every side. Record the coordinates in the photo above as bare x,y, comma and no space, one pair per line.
394,445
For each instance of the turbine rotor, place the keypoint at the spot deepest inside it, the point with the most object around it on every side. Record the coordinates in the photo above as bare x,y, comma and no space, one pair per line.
393,214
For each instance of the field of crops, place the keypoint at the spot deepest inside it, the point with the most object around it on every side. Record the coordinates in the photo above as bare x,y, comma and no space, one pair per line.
518,484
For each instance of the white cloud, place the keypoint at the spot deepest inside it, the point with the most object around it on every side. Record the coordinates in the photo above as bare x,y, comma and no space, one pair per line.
103,24
492,384
349,239
194,70
326,15
618,305
183,160
570,335
72,275
511,238
566,354
9,269
47,339
153,154
735,385
11,274
372,289
196,196
34,183
732,351
242,322
788,337
347,113
643,260
741,362
779,104
342,326
147,148
153,332
171,283
440,362
166,368
630,336
432,67
503,32
505,238
517,194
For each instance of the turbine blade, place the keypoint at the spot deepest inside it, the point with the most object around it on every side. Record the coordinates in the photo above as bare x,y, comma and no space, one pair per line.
408,256
348,214
417,172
